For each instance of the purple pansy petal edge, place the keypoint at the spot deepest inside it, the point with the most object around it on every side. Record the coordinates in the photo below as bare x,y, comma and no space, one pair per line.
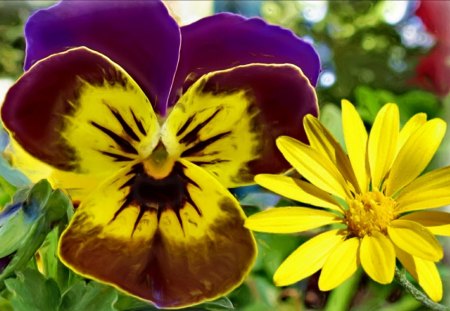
227,40
140,36
145,40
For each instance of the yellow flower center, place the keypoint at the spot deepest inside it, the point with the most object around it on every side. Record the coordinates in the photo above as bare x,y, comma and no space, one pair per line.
368,213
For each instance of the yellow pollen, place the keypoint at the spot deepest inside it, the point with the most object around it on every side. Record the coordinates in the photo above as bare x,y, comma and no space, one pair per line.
368,213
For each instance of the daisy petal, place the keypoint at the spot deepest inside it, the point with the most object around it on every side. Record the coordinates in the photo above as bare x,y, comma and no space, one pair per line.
424,272
298,190
311,164
140,36
307,259
415,155
437,222
97,121
427,191
429,278
290,220
341,263
415,239
410,127
321,140
355,136
383,143
377,256
227,122
140,234
226,40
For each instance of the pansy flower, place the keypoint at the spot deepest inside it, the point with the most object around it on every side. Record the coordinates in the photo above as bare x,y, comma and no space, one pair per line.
373,195
155,122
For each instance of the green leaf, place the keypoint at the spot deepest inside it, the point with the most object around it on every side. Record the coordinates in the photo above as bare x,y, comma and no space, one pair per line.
274,249
57,206
6,192
52,266
220,304
128,303
5,304
90,296
14,227
42,207
416,101
13,176
32,291
330,117
369,101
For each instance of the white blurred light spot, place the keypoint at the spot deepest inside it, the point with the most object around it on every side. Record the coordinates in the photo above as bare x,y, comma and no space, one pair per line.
394,11
5,84
186,12
327,78
314,10
413,34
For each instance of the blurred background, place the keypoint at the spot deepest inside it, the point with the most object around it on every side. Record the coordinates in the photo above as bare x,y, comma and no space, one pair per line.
372,52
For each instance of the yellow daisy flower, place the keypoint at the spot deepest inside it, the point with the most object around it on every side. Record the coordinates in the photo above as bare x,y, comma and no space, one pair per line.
373,193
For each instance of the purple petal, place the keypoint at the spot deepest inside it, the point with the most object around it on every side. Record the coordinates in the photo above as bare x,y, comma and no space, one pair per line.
227,40
138,35
68,103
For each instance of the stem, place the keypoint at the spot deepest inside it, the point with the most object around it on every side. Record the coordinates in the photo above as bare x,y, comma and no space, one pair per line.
416,293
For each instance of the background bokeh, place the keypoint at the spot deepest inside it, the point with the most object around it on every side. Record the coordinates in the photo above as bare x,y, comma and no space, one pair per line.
372,52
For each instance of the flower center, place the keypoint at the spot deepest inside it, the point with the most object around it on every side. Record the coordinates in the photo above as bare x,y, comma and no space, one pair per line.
368,213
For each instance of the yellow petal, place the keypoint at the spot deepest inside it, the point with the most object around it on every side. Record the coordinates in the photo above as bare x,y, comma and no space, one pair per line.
311,164
415,239
355,136
437,222
321,140
424,272
298,190
427,191
377,256
175,241
415,155
78,186
340,265
290,220
429,278
382,144
34,169
92,117
228,120
307,259
410,127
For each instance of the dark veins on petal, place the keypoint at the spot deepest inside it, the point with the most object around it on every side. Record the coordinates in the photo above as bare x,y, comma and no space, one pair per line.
139,124
128,130
193,136
157,195
124,143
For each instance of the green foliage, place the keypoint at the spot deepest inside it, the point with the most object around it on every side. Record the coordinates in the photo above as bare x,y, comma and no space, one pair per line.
90,296
128,303
372,67
370,101
32,222
30,290
13,15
